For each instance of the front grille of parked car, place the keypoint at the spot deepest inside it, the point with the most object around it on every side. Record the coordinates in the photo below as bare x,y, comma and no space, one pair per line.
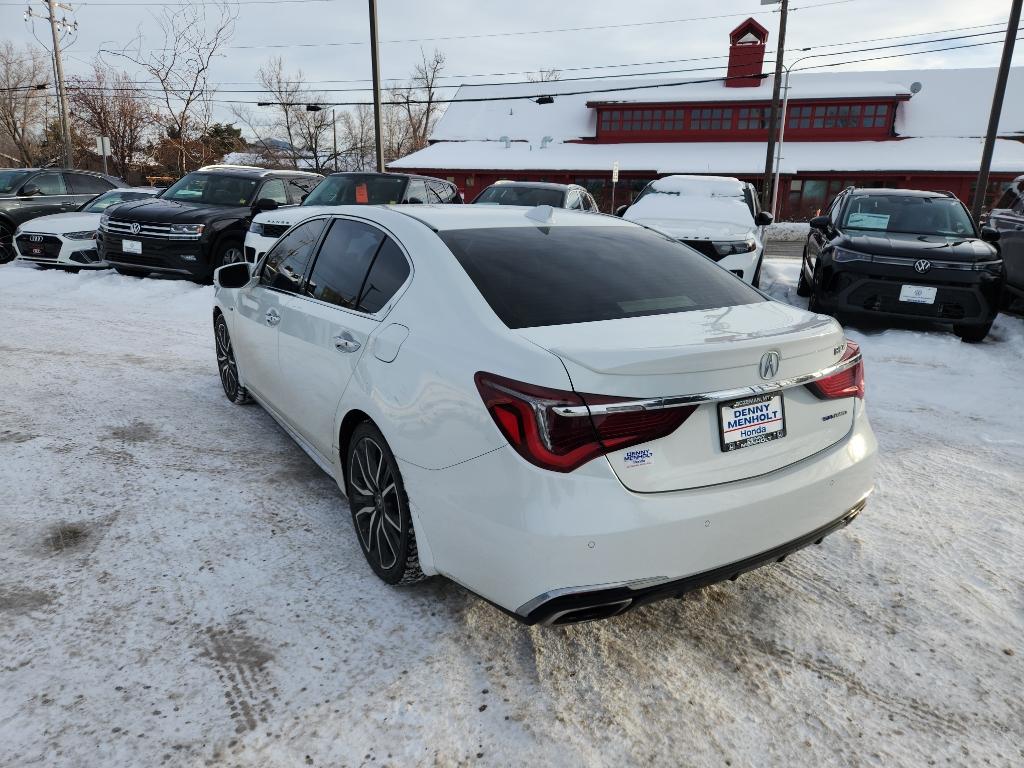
274,230
704,246
159,231
884,296
50,245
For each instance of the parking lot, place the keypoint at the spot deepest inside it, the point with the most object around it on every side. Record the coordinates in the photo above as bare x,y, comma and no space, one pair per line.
181,585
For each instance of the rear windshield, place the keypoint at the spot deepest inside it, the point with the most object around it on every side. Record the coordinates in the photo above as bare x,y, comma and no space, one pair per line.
908,214
531,196
357,189
534,276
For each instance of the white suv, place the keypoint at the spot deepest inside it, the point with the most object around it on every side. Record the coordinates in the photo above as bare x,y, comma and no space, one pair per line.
716,215
568,414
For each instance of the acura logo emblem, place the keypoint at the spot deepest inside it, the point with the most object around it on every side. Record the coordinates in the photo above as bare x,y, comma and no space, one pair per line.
769,365
36,239
922,265
135,227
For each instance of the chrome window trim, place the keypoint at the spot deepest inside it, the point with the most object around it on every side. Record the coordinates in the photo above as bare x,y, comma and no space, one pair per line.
722,395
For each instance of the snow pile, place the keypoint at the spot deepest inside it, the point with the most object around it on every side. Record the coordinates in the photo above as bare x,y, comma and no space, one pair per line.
789,231
180,585
700,186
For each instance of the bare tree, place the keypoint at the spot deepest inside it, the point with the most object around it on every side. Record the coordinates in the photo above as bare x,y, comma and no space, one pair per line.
417,102
545,76
192,36
112,104
22,104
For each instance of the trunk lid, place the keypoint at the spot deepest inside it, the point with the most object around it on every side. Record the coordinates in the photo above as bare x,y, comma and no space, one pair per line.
703,351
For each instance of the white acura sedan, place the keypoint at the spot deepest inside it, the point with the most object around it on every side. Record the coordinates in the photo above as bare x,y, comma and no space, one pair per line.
569,414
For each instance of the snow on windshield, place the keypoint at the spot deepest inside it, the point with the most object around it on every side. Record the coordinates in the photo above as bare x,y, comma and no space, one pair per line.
657,205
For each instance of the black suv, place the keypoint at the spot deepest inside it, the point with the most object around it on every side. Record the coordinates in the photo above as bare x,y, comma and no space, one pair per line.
26,193
906,254
1007,216
199,222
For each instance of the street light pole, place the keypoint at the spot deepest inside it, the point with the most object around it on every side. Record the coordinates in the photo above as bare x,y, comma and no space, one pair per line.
62,95
334,131
981,186
782,135
773,116
375,67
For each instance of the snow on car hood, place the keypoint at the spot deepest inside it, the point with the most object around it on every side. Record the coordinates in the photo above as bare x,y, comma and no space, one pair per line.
694,218
59,223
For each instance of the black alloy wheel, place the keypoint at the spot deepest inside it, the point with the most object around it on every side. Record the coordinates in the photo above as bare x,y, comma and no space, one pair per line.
380,508
226,366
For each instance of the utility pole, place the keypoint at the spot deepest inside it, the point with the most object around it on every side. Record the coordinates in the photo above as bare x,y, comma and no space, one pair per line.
62,94
773,115
375,66
981,186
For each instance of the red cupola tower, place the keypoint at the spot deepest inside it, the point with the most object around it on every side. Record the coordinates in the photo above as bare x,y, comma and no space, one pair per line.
746,54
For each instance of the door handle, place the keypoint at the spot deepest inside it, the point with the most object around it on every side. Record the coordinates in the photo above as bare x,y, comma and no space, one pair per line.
273,317
346,343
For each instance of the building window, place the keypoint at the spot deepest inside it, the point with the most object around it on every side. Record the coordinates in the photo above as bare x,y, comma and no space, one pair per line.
615,120
710,119
876,116
752,119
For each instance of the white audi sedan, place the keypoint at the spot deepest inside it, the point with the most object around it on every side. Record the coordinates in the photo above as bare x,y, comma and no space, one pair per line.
568,414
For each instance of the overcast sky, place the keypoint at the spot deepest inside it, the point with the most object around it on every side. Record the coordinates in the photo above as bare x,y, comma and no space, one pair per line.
406,25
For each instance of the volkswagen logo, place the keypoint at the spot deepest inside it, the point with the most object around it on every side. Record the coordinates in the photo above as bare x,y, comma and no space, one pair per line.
35,238
769,365
922,265
135,227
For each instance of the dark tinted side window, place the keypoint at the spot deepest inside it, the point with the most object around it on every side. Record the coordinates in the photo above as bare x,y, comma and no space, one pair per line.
49,183
445,192
389,271
286,262
534,276
83,184
343,262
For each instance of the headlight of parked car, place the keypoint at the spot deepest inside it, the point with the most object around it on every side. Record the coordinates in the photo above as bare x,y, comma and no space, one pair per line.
256,228
104,220
88,234
728,248
187,229
843,255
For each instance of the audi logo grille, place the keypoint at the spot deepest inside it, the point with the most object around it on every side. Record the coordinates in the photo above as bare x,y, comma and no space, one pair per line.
35,238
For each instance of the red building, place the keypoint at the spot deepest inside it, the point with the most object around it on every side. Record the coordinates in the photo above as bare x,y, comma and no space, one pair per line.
908,128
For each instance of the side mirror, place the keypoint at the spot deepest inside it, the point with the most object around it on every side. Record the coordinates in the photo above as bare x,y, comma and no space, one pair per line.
265,204
823,223
621,210
763,219
990,234
30,190
233,275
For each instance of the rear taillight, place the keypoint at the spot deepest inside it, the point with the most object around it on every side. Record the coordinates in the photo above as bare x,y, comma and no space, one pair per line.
528,417
847,383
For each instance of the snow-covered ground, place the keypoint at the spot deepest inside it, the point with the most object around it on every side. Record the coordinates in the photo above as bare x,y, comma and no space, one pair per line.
180,585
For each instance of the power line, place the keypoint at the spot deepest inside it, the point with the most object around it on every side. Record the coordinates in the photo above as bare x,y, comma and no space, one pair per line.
143,88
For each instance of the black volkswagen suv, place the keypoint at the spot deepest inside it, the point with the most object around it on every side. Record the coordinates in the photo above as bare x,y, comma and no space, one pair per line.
199,222
27,193
903,254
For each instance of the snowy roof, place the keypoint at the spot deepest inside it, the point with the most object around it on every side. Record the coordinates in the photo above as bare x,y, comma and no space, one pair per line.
739,158
928,113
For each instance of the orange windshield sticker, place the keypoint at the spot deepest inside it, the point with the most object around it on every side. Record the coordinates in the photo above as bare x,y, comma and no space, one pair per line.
361,194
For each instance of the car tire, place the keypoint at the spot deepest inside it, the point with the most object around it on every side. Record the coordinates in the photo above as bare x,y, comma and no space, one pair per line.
6,244
802,287
973,334
813,305
226,366
380,507
128,272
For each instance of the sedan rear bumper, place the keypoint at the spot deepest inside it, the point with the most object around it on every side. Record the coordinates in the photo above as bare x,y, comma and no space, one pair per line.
525,538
